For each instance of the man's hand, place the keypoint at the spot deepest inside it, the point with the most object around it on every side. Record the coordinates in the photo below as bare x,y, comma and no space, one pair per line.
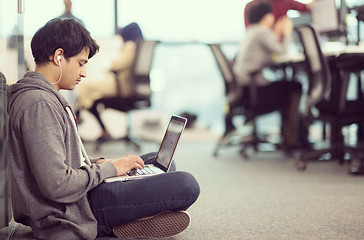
283,26
310,5
124,164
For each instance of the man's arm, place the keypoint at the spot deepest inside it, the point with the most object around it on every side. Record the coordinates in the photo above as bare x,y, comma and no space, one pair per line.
125,58
271,40
301,7
246,20
55,170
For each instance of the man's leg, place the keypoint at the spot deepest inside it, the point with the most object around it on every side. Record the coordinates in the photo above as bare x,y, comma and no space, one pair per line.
284,95
290,121
121,202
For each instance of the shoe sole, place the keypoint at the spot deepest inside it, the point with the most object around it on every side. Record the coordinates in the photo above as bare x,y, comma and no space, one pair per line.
163,225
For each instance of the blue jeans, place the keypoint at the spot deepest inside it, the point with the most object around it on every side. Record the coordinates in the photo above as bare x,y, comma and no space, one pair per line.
120,202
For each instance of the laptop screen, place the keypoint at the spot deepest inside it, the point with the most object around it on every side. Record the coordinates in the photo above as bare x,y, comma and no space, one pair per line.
169,142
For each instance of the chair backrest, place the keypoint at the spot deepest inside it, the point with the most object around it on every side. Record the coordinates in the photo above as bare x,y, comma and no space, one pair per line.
226,70
141,69
318,71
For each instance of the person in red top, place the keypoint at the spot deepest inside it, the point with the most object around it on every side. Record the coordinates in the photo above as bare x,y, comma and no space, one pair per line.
280,8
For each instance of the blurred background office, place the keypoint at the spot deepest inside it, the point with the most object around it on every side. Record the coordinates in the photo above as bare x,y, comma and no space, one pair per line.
183,69
185,79
162,20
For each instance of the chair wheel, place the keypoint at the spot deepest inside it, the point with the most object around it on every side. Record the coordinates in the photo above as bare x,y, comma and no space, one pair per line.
97,147
243,153
216,150
301,165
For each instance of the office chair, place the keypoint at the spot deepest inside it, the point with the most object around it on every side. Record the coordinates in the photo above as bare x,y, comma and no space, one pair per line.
326,100
141,96
234,108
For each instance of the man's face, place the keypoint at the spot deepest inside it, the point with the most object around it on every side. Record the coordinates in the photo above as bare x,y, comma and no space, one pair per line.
74,70
270,19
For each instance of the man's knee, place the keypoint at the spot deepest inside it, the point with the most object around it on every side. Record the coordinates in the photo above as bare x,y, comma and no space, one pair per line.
187,184
149,158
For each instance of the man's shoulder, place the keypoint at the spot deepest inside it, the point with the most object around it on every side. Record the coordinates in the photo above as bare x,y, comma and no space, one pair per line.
257,32
34,95
28,98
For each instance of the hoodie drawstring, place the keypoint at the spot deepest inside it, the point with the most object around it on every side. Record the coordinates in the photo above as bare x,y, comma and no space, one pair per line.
83,150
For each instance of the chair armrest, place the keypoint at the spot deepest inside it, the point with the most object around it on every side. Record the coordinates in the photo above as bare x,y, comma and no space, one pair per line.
118,87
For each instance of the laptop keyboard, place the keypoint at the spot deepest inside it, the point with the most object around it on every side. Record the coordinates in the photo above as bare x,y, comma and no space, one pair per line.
138,172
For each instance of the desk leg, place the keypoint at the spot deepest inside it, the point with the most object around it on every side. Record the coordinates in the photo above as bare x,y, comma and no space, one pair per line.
337,139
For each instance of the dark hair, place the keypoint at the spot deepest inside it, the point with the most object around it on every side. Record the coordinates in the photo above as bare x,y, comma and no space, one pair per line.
131,32
258,10
67,34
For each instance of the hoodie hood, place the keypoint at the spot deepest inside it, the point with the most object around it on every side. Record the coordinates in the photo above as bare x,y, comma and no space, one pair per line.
33,81
3,85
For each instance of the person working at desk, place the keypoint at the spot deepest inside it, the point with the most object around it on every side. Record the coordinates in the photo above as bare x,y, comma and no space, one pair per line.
256,52
279,8
57,189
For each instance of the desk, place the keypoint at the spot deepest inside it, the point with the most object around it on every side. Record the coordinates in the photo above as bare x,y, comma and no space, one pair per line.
330,52
350,59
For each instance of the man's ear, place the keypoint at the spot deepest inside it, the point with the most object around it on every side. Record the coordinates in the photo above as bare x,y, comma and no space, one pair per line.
57,56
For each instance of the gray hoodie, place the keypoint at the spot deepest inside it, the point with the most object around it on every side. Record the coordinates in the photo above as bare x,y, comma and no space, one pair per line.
49,185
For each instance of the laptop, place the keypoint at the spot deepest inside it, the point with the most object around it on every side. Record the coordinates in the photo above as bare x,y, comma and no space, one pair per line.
165,154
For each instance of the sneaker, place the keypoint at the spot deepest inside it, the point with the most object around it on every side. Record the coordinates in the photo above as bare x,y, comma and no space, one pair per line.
163,225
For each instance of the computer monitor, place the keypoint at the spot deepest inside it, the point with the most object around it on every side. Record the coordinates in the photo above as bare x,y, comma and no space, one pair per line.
329,17
325,16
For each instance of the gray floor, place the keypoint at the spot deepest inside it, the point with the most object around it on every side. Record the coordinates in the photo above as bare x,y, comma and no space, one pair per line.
263,197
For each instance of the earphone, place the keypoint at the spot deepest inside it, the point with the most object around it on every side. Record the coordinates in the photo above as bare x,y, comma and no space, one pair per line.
60,68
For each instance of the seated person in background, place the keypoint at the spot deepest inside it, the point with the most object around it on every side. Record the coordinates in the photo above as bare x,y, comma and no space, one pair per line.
57,189
120,71
256,52
68,12
279,8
